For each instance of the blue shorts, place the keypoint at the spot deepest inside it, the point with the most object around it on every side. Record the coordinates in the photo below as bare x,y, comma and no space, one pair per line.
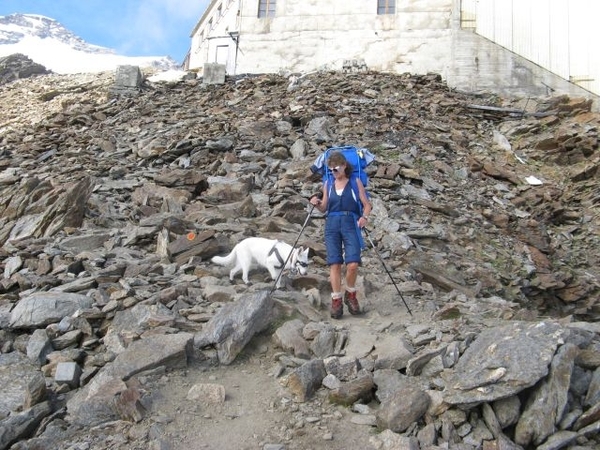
341,240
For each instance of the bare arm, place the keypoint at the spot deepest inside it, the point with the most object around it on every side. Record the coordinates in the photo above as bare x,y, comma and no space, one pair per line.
366,204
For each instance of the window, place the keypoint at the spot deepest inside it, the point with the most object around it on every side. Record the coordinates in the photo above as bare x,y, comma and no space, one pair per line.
266,8
386,6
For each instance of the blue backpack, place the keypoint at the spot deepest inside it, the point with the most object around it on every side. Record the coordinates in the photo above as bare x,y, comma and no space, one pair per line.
358,158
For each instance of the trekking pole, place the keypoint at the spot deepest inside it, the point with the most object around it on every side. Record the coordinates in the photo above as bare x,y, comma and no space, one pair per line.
293,247
386,269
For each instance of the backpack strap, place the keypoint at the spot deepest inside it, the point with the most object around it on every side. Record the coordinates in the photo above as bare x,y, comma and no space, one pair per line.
356,194
353,189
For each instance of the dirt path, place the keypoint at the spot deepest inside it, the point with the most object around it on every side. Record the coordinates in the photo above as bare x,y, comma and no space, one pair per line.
258,410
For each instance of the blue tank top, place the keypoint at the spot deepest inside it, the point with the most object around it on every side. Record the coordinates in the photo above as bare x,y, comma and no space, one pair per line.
344,202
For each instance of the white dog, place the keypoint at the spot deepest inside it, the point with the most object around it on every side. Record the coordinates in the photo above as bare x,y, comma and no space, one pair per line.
268,253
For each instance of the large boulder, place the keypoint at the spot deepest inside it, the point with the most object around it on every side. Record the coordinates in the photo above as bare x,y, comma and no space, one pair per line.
17,66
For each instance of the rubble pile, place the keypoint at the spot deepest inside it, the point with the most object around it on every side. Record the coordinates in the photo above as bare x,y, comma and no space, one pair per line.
111,208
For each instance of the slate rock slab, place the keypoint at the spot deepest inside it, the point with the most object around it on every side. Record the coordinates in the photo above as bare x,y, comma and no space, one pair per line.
94,403
43,308
502,361
235,324
16,371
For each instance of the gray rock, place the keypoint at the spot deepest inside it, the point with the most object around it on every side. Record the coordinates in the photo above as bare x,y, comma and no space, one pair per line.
207,393
12,265
289,337
427,436
18,66
16,372
546,405
388,440
402,409
304,381
84,242
232,327
67,373
128,77
324,344
558,440
39,347
343,368
21,425
66,340
593,393
507,410
359,389
142,317
417,363
501,362
43,308
392,352
36,391
93,404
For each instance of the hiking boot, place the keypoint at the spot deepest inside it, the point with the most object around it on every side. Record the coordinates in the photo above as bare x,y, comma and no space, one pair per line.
352,303
337,308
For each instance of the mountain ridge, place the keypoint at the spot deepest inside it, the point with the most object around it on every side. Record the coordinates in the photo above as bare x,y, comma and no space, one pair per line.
49,43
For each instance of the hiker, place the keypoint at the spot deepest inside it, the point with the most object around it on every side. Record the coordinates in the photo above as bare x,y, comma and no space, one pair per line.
343,239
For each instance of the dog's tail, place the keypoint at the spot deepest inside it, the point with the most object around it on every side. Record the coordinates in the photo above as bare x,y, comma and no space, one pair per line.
227,260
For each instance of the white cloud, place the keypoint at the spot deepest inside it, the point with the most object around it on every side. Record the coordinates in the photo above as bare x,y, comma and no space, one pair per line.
154,23
184,9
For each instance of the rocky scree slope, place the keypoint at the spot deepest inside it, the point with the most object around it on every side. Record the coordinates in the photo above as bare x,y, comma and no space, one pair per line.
452,178
99,195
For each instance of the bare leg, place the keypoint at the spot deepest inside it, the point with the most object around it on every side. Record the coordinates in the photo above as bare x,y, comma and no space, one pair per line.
335,277
351,274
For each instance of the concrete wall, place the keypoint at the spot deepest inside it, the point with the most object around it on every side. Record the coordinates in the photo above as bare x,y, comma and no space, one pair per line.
555,34
310,35
479,65
423,36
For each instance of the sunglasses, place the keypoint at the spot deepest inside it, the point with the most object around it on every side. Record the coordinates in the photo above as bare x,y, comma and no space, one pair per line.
336,169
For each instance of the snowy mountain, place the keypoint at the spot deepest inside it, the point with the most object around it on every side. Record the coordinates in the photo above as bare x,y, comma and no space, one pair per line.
50,44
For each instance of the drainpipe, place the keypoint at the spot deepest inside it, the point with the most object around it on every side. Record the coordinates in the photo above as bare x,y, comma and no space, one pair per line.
235,35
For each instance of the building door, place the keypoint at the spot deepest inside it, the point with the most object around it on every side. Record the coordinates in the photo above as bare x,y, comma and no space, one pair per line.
222,54
225,54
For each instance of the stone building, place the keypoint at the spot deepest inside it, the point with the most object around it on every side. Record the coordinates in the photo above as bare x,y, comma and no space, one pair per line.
416,36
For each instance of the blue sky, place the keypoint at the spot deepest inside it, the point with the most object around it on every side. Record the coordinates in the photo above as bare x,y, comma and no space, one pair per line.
131,27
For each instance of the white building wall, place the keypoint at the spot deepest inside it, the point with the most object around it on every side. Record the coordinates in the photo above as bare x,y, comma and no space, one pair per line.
311,35
214,37
558,35
422,36
307,35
